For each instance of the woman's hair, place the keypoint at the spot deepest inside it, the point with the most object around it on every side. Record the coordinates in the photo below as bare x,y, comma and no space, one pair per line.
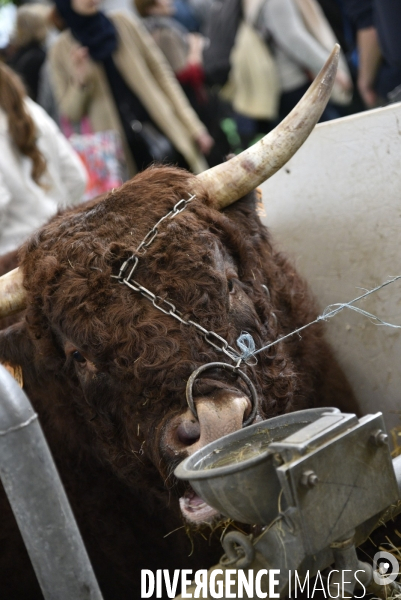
31,25
21,127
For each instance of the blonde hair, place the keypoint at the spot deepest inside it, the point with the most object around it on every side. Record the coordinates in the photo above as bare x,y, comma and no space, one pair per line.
21,127
31,24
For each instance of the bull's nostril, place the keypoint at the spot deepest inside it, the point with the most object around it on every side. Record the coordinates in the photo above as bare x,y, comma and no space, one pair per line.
188,432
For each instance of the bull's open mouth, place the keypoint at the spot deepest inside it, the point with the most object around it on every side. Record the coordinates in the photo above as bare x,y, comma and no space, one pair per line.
195,510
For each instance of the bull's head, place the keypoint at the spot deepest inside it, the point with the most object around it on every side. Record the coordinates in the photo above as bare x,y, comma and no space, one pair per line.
107,370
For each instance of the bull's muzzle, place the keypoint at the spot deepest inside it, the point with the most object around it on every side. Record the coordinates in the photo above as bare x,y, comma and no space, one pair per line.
232,369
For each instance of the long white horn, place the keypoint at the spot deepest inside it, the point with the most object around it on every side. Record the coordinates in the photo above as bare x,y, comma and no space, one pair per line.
12,293
231,180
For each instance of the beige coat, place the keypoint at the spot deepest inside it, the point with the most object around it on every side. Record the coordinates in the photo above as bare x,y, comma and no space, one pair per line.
147,73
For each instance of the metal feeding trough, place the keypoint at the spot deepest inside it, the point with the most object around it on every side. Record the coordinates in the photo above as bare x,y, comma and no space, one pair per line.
237,473
253,474
314,478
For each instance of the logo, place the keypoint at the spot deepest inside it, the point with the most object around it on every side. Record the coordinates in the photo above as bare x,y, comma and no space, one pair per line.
385,568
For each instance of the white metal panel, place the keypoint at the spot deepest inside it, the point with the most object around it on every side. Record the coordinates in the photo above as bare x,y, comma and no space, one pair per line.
336,209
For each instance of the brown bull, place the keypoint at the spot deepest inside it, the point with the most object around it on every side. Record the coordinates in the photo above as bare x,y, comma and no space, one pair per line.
106,370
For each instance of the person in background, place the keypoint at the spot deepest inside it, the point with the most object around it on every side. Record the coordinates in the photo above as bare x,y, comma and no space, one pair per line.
193,14
28,42
280,47
184,52
184,14
179,46
109,69
334,12
39,171
301,40
341,25
202,10
377,23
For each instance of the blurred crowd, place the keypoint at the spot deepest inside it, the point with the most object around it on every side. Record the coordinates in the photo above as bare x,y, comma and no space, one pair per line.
184,82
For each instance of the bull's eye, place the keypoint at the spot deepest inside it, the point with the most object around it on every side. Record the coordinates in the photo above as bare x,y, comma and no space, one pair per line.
230,284
77,356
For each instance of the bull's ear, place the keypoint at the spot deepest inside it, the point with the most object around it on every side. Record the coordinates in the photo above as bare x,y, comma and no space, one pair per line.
16,349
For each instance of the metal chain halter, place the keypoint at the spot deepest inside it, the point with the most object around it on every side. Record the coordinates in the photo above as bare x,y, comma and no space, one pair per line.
165,306
125,276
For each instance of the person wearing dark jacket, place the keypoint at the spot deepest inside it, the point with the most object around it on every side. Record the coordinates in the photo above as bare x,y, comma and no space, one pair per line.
379,45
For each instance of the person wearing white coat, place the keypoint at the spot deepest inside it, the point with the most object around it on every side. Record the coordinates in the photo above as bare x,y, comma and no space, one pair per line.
26,204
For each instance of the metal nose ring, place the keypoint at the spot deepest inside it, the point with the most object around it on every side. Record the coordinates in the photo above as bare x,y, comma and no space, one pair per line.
226,367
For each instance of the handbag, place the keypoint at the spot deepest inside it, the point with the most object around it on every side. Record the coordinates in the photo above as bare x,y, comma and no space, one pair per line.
101,154
103,158
253,86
